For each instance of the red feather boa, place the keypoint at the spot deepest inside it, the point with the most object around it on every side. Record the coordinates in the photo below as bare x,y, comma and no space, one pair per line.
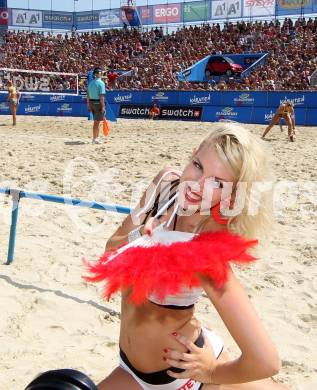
165,269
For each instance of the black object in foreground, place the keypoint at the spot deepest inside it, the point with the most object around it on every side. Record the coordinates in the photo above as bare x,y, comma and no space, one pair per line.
64,379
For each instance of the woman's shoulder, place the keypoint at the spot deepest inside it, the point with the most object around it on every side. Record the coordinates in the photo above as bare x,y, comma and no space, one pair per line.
167,174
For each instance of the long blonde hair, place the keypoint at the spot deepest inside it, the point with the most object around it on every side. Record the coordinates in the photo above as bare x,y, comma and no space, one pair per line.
247,158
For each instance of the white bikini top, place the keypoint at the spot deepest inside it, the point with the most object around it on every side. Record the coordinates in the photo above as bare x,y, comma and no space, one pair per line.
188,296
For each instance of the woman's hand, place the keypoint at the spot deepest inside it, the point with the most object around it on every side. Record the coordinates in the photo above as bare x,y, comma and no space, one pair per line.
150,225
198,363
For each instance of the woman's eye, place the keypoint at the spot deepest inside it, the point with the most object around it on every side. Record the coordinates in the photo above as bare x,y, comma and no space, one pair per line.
196,164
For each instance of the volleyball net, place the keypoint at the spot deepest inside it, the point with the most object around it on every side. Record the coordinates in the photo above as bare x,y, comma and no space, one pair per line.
40,82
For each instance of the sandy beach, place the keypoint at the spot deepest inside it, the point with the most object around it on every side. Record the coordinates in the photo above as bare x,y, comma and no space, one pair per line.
50,318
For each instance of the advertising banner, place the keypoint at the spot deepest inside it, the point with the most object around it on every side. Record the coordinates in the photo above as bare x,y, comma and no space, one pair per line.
26,18
264,116
33,108
293,7
311,117
109,18
146,14
299,99
222,9
196,10
166,13
87,20
218,113
4,108
253,8
245,98
4,17
166,112
122,97
200,98
58,20
192,106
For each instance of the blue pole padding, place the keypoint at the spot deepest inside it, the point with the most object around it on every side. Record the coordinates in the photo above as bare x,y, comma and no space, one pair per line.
14,220
76,202
18,194
5,191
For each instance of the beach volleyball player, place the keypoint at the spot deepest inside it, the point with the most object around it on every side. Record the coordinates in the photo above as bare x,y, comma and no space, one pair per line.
13,99
285,111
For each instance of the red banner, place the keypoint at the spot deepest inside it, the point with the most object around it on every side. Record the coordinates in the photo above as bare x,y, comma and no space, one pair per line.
145,13
167,13
4,16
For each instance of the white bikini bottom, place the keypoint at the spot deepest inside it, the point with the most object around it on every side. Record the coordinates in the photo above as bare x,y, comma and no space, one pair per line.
172,384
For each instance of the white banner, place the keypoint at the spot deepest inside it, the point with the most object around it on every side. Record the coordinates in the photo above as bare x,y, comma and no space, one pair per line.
258,8
226,9
25,18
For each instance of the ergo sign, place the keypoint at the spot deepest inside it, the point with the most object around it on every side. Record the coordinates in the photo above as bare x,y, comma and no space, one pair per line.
167,13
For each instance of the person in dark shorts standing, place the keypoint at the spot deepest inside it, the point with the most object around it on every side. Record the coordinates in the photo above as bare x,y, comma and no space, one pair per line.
96,102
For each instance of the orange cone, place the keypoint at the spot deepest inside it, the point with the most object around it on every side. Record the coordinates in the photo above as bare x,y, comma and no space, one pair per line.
105,127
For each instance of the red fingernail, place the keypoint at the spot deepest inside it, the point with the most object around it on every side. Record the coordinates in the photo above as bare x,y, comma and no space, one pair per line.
164,358
165,350
174,334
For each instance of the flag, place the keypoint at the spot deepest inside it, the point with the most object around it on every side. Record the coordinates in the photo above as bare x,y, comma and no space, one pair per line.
110,115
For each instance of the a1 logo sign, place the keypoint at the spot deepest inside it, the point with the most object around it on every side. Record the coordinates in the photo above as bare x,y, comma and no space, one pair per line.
224,9
26,18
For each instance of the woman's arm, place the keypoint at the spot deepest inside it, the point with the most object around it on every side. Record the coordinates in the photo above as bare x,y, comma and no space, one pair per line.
133,220
293,117
259,358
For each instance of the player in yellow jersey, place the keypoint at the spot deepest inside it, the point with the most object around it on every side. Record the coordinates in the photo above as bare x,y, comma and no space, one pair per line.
13,99
286,112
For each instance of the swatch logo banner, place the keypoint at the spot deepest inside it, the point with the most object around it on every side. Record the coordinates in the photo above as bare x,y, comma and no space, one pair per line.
167,112
167,13
134,111
294,4
181,112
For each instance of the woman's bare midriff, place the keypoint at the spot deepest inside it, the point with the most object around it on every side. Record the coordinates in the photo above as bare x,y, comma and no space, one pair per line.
147,329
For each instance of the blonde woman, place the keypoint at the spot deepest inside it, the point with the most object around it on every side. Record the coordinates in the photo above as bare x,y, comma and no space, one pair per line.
13,99
163,346
286,112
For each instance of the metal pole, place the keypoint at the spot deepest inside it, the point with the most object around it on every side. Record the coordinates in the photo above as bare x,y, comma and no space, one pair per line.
92,15
51,15
14,219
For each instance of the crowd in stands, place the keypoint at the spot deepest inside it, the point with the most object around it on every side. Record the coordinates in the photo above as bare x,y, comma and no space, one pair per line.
153,59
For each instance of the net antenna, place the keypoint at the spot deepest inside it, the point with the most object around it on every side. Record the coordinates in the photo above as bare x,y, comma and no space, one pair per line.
39,82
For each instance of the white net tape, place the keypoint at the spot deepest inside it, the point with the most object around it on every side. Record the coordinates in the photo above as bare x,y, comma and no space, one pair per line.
39,82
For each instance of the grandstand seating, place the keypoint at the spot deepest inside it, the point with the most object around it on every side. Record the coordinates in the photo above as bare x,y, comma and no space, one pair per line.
155,58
